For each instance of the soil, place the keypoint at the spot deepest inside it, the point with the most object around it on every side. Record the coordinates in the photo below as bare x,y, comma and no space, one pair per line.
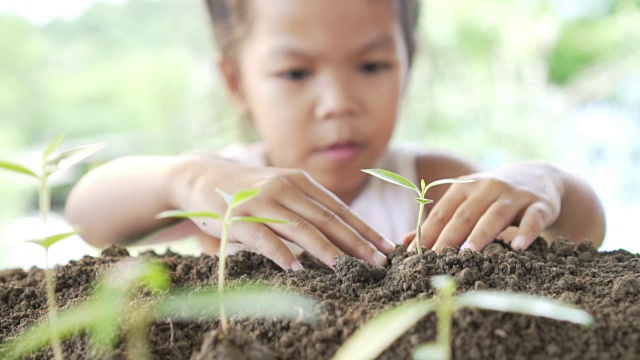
605,284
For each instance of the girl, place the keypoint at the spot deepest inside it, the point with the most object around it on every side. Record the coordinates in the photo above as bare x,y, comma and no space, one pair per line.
322,81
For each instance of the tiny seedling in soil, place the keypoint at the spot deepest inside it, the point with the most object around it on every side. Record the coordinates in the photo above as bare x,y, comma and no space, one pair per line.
51,163
232,202
394,178
372,338
114,307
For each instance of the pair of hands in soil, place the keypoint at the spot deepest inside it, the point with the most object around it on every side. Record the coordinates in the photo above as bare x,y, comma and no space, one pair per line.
470,215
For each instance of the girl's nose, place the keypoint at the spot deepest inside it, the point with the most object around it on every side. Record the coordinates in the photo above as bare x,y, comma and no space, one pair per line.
336,99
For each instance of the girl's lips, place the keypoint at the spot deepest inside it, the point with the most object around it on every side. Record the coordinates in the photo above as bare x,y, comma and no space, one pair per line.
341,152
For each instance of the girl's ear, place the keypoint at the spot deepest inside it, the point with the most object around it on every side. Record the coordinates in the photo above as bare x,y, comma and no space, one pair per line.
231,74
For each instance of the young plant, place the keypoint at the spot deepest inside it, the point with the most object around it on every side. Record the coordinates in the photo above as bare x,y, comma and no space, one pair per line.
372,338
228,218
109,312
394,178
50,164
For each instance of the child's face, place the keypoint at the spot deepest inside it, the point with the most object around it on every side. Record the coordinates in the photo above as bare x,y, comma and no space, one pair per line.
322,81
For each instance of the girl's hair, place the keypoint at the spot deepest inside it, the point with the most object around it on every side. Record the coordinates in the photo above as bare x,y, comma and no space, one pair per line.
231,23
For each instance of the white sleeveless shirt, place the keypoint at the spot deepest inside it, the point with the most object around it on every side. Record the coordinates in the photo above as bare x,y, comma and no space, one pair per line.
390,209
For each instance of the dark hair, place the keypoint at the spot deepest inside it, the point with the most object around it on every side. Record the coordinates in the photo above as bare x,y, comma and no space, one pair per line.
231,23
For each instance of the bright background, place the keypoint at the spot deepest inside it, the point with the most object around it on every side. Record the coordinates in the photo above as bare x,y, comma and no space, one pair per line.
495,80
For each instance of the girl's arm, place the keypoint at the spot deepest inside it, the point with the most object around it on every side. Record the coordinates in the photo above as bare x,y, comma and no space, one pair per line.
118,202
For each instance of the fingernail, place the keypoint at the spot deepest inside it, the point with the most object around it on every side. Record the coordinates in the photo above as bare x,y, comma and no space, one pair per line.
519,242
470,246
296,266
388,246
379,259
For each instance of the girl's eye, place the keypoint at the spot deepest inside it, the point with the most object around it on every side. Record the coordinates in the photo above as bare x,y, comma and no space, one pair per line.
374,67
295,75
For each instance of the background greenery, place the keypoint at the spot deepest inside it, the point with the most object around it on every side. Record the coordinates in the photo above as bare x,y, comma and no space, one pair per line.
494,80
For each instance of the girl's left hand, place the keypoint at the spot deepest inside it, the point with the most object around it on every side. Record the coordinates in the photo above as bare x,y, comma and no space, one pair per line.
525,195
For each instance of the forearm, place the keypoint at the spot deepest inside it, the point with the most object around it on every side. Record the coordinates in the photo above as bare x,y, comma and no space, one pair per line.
118,201
581,216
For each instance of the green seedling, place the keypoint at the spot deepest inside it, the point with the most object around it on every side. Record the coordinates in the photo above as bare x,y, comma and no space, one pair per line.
49,283
51,163
232,202
112,307
394,178
372,338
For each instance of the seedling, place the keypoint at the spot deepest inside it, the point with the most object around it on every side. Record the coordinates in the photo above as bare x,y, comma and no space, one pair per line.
372,338
394,178
110,309
51,163
228,218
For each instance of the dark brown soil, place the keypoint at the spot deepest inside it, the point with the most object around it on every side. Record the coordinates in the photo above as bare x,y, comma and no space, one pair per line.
607,285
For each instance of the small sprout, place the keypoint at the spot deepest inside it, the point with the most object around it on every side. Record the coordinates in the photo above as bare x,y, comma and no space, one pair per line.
232,202
47,242
372,338
394,178
51,163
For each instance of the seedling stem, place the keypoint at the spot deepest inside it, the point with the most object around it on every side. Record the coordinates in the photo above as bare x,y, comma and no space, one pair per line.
232,202
396,179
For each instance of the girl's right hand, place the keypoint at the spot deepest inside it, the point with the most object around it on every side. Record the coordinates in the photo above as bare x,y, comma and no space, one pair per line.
317,220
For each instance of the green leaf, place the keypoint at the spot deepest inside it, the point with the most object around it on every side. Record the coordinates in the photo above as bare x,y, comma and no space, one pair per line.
154,276
50,240
525,304
424,201
51,147
392,178
17,168
253,219
430,351
128,274
442,282
377,334
105,329
68,158
246,302
226,196
243,196
187,214
446,181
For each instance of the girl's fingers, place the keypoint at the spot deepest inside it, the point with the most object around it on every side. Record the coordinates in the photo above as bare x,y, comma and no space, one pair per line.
339,210
498,217
331,227
439,217
210,244
465,218
409,238
296,230
535,219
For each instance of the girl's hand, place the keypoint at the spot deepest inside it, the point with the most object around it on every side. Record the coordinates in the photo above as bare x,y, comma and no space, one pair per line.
318,221
526,195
